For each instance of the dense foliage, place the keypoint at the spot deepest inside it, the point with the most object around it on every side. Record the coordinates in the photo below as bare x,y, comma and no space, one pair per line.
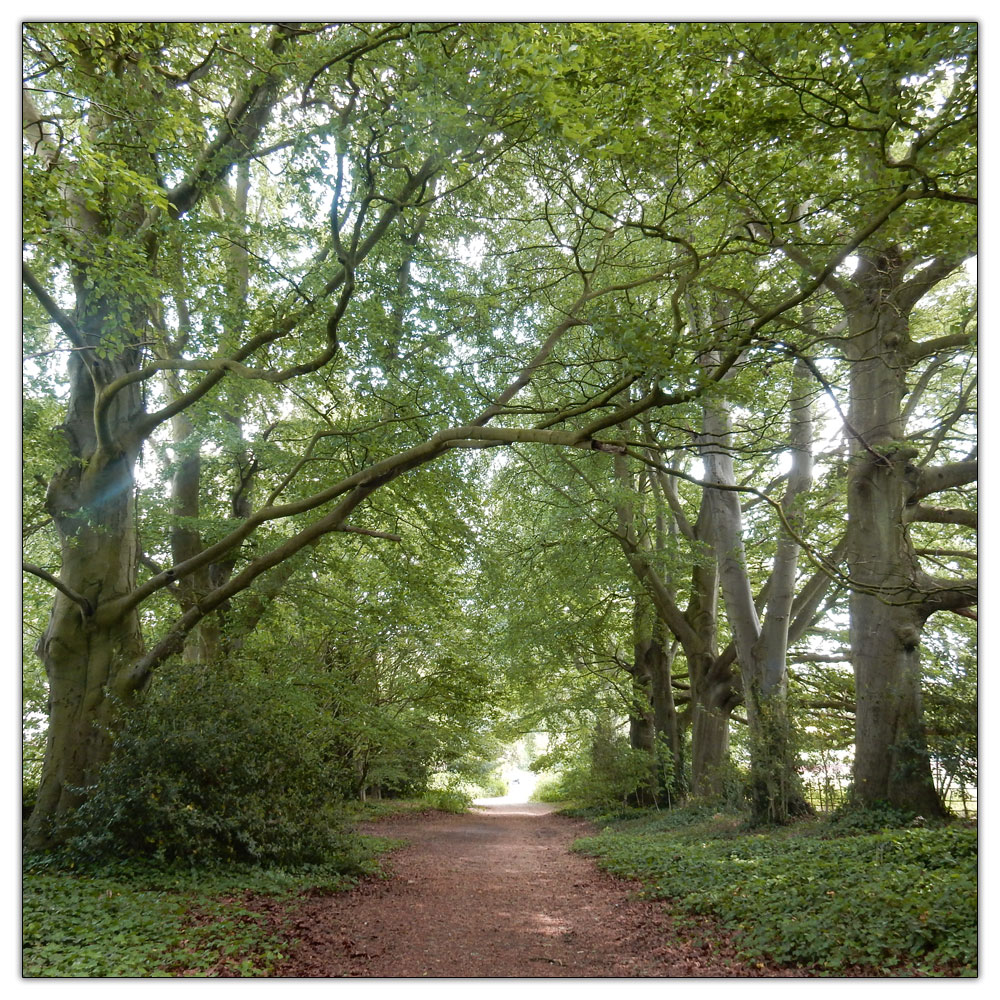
900,899
127,919
209,768
396,391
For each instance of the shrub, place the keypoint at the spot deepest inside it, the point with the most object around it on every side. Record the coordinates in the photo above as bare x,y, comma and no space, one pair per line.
604,774
452,800
550,788
206,767
853,817
491,786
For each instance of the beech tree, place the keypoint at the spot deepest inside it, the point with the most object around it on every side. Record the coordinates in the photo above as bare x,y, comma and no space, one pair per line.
915,106
120,214
270,271
853,181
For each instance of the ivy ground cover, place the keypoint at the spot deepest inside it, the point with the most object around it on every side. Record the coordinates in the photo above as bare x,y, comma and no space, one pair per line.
897,901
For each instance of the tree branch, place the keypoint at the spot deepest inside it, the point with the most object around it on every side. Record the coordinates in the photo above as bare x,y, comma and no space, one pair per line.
219,367
88,608
237,133
948,595
915,288
918,350
936,478
68,327
390,536
941,515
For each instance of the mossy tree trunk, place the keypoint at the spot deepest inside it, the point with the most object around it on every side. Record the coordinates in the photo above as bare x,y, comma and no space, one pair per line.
88,654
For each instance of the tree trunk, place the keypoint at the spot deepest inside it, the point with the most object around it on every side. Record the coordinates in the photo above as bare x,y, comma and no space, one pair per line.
712,693
712,699
202,643
891,760
641,727
87,670
87,658
653,720
761,647
891,763
670,746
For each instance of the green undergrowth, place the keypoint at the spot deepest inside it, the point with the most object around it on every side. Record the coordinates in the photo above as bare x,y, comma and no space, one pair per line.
144,919
382,808
897,901
440,800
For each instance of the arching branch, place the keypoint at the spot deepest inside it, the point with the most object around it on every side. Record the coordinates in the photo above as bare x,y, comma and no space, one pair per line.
87,607
63,321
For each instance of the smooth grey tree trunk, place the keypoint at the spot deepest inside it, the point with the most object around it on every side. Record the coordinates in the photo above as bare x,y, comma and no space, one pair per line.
892,596
891,760
761,646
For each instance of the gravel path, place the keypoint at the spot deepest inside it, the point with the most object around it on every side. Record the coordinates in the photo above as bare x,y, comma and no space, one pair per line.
497,893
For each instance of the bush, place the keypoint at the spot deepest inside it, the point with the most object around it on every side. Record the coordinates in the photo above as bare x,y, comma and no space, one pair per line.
853,817
550,788
492,786
452,800
206,768
604,775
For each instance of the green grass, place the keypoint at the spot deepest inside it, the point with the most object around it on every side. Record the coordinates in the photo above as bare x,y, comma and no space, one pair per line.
897,901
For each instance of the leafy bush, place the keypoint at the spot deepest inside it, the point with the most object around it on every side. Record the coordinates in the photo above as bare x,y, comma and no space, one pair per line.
490,786
604,774
208,767
550,788
899,898
452,800
733,786
853,817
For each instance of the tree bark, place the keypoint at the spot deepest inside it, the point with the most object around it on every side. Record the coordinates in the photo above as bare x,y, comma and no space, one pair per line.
761,646
712,692
713,697
888,604
87,658
653,723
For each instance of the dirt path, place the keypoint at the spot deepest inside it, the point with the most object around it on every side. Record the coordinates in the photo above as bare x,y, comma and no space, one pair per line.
497,893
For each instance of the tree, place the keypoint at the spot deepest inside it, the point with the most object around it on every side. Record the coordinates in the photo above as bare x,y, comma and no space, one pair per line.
109,195
309,275
122,206
916,105
762,640
863,149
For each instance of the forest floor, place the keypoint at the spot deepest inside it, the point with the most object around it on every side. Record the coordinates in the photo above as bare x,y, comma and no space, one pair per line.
497,892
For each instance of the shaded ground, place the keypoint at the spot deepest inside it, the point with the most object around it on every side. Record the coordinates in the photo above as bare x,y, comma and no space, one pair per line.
497,893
